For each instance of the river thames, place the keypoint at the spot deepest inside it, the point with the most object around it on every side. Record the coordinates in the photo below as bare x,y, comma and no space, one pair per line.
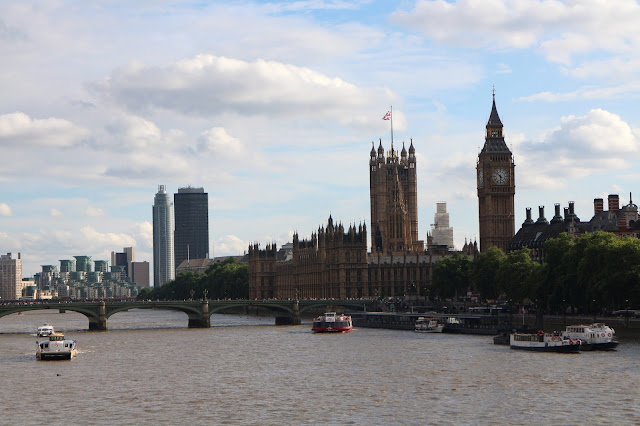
149,368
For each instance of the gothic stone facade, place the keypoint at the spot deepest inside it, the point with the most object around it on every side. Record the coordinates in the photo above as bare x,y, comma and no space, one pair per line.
335,264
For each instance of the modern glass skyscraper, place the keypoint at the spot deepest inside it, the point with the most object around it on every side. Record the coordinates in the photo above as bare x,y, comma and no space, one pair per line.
192,224
164,269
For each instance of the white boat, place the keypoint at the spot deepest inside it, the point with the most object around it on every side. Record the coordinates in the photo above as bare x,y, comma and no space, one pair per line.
331,322
544,342
44,330
596,336
56,347
428,325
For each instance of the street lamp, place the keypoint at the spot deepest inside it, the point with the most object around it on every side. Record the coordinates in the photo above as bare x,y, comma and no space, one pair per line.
192,292
564,313
594,310
205,293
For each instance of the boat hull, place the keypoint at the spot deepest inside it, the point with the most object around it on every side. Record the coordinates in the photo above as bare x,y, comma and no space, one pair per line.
331,329
574,348
437,329
55,356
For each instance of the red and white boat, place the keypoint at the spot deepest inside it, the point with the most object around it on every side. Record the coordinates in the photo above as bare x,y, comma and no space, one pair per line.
331,322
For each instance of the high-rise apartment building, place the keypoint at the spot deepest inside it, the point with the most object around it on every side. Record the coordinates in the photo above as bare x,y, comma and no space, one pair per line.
192,224
140,273
163,224
83,263
125,258
10,277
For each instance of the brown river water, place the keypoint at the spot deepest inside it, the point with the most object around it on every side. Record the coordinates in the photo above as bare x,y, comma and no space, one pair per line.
149,368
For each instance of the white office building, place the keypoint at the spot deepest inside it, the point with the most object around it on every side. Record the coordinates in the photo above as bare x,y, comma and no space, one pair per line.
163,224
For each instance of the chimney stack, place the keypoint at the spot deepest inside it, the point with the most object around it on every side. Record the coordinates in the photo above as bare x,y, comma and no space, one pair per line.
614,203
557,218
598,206
528,221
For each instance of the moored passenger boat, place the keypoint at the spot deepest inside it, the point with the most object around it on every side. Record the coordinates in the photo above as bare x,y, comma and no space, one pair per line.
44,330
56,347
596,336
428,325
331,322
544,342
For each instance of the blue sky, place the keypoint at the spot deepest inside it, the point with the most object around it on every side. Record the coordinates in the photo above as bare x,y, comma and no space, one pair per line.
272,107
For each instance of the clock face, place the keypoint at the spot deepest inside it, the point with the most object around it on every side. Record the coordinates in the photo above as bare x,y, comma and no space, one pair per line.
494,133
500,176
480,178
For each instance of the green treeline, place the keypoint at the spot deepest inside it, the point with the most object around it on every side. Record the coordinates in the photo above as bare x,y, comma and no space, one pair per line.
592,273
225,279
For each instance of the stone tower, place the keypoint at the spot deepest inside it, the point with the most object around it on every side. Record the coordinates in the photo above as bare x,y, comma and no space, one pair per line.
393,191
496,187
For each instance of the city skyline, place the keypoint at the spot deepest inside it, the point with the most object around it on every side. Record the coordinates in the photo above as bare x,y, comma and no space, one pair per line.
273,108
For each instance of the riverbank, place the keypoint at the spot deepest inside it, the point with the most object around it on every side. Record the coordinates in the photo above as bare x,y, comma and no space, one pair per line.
491,324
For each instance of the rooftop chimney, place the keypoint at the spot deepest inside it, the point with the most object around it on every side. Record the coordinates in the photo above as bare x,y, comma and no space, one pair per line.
614,203
529,221
557,218
541,218
598,206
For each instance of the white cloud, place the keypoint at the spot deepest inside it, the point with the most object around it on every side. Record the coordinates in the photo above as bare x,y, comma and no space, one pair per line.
18,128
229,245
561,29
599,132
56,213
93,212
622,91
209,86
218,142
105,241
5,210
581,146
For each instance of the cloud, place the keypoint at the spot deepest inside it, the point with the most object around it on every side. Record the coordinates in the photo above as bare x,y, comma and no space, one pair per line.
19,128
93,212
209,86
230,244
560,29
56,213
218,142
581,146
621,91
5,210
132,133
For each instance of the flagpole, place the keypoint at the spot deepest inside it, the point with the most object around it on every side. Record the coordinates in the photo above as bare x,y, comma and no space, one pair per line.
391,126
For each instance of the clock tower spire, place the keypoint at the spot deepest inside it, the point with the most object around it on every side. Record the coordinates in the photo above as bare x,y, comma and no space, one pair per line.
496,186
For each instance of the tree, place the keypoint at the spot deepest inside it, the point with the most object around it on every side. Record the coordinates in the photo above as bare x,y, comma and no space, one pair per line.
225,279
518,276
485,271
451,276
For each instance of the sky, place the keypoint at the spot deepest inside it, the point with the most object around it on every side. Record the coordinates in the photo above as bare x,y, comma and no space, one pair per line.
272,108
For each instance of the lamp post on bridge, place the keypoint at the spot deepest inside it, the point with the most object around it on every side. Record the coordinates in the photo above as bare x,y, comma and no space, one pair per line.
205,294
192,292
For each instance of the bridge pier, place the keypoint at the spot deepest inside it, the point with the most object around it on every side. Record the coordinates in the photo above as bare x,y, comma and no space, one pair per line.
293,319
99,323
204,319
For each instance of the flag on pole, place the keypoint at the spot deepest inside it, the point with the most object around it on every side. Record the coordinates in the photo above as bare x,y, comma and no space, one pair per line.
387,116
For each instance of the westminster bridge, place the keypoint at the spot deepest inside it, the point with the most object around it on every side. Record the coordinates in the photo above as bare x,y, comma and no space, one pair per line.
198,311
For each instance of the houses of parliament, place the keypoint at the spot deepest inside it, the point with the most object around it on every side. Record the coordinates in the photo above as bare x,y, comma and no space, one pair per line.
334,262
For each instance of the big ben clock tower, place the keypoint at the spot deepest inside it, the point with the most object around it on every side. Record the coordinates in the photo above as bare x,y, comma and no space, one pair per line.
496,187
